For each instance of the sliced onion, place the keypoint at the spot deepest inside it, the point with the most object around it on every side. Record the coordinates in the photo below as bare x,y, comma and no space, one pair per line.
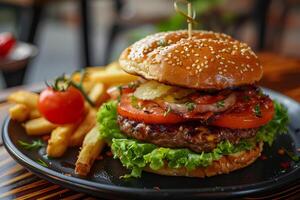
215,107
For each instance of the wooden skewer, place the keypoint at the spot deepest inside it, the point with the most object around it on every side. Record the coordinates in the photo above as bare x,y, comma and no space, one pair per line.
189,16
190,23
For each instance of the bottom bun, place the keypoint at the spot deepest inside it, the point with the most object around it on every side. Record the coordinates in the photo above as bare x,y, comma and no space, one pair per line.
224,165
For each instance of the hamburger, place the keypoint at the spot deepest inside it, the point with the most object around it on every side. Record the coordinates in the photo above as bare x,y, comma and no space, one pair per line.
196,110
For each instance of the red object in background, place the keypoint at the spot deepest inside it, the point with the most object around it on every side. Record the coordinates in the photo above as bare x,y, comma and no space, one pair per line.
285,165
61,107
263,157
7,42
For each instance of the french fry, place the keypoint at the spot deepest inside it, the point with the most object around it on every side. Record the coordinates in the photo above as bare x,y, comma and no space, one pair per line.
112,77
87,86
59,140
19,112
76,76
91,148
98,93
112,67
38,126
35,113
86,125
29,99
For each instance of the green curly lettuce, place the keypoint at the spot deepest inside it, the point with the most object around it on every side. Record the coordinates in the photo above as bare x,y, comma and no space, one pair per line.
107,122
136,155
277,126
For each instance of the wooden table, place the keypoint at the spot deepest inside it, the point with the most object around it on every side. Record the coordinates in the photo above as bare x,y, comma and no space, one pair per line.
281,74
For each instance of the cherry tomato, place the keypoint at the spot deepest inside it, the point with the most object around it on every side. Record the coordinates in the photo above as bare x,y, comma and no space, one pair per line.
246,119
7,41
149,112
61,107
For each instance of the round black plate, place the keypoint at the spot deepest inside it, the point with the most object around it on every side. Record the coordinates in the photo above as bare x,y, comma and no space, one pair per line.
104,181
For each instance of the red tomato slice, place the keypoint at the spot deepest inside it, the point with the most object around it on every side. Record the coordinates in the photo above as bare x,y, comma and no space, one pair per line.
246,119
61,107
150,112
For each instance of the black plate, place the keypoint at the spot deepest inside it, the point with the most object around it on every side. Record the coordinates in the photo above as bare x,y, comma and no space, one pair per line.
263,175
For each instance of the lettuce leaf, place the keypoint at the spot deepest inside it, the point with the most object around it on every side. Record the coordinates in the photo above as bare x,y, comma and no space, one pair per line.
107,121
136,155
277,126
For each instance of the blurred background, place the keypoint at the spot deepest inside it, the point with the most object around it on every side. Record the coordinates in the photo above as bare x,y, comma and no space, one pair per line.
61,36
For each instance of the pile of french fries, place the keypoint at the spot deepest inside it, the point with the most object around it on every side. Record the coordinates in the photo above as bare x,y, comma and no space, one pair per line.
83,134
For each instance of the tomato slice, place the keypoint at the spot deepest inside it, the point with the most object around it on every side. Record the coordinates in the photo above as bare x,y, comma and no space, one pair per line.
240,116
149,112
245,119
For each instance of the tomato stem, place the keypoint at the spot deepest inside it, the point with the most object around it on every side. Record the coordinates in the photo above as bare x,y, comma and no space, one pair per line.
62,83
80,88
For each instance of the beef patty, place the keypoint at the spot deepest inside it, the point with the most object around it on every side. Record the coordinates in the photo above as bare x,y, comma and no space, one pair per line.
190,135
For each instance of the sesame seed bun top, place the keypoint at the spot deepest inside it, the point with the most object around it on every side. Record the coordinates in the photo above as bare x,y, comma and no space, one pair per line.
208,60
